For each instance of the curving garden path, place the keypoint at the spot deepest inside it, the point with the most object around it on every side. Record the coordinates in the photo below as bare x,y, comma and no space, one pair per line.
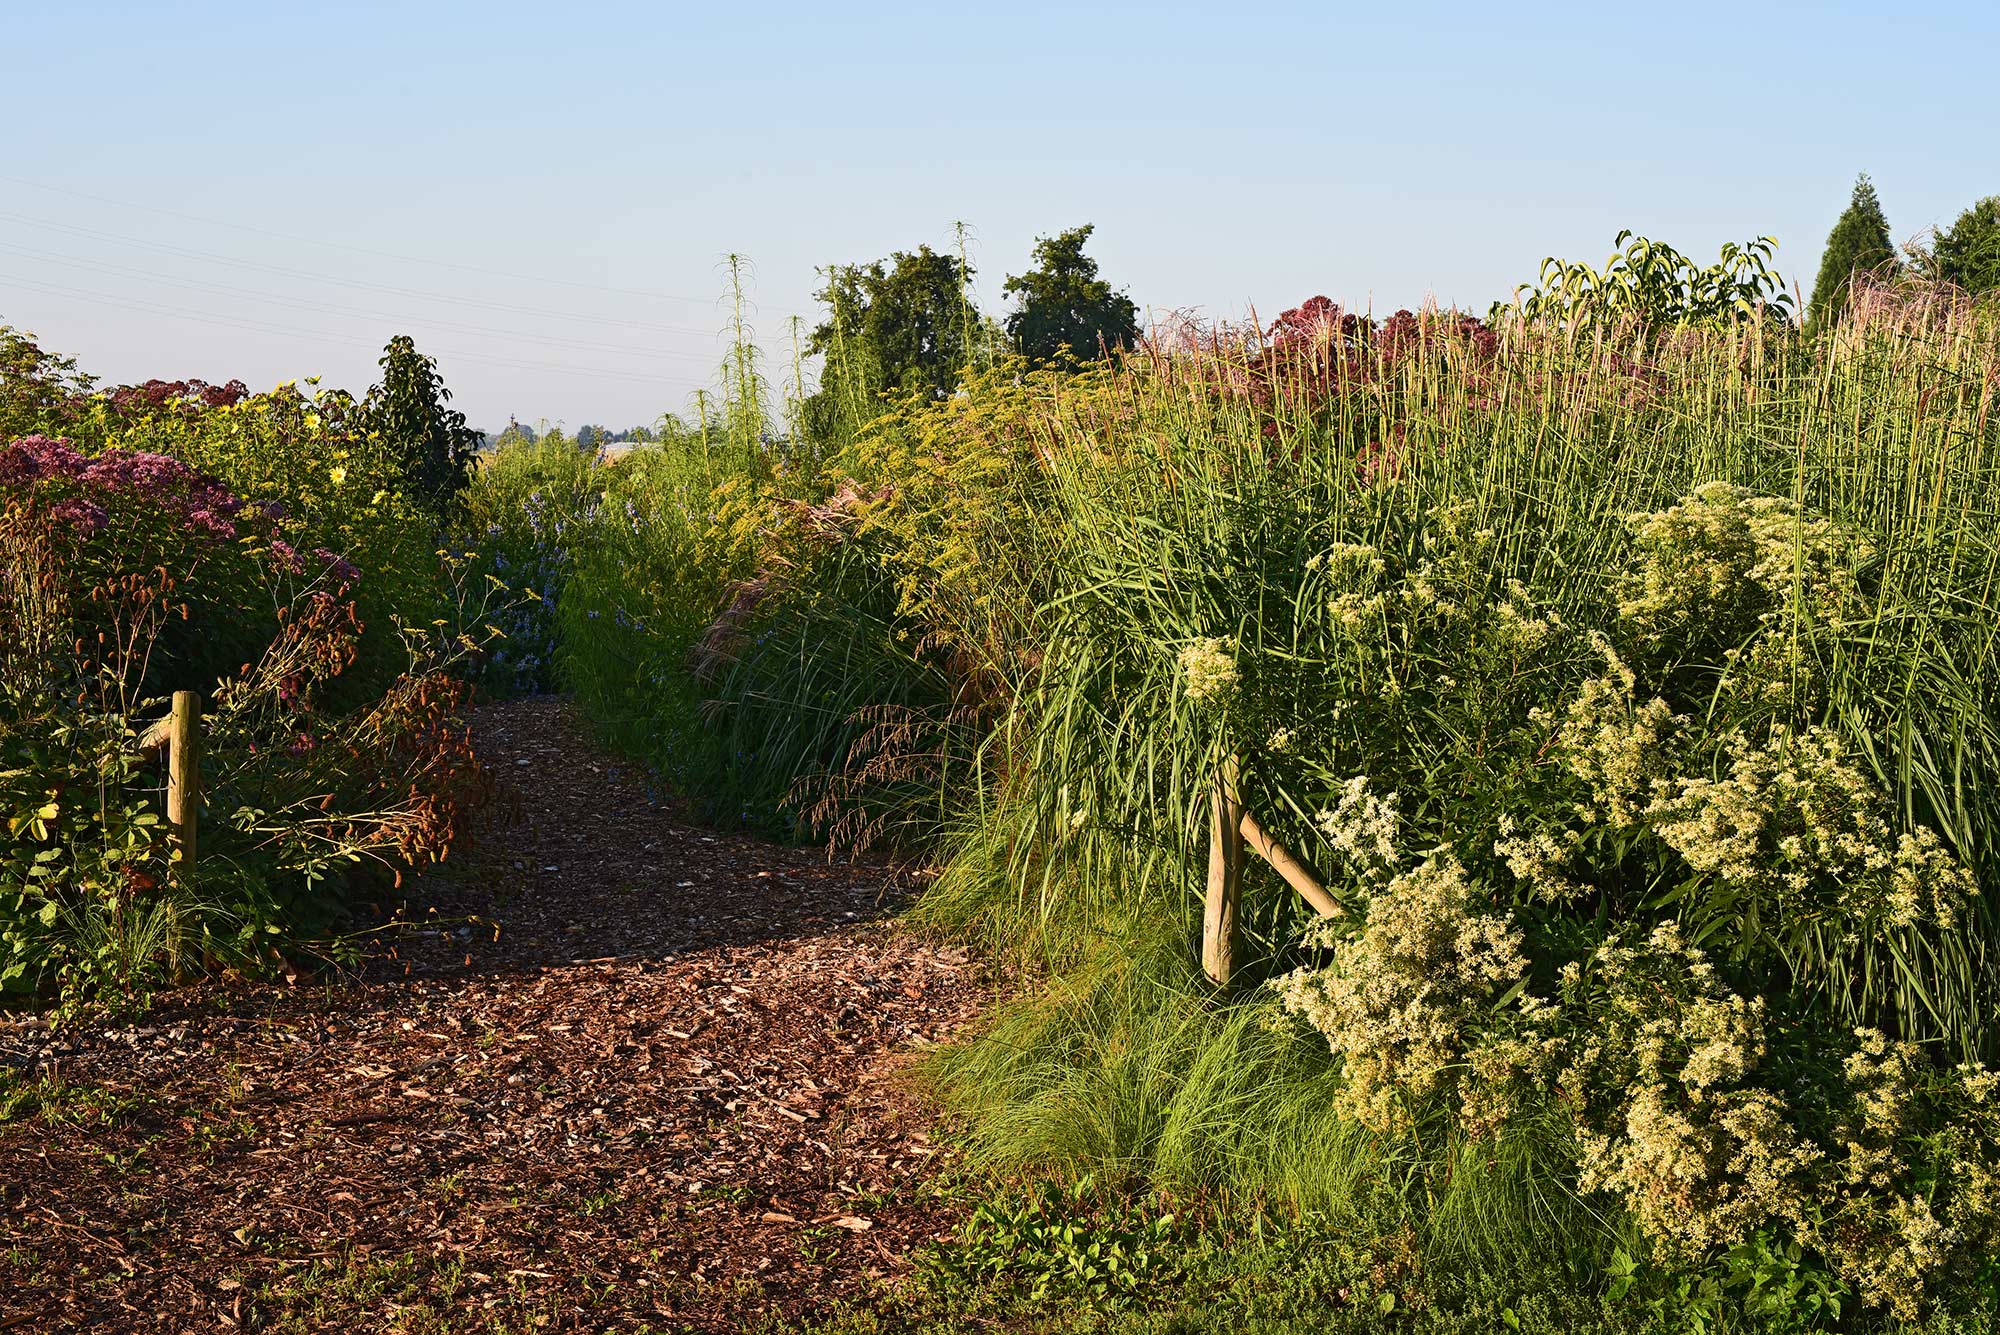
662,1096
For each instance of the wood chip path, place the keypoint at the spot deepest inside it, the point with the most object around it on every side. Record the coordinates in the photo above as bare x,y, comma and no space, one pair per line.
663,1099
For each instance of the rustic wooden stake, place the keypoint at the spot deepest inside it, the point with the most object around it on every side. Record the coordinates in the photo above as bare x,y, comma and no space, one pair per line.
1225,876
184,777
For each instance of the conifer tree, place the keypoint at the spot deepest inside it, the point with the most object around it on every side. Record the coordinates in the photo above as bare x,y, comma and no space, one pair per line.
1859,242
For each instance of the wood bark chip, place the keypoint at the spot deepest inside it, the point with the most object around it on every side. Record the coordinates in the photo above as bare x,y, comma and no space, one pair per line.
603,1129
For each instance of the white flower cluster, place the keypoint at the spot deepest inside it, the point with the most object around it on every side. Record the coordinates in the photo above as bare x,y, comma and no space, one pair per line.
1795,821
1397,1002
1520,630
1362,829
1353,565
1681,1120
1209,668
1679,1111
1674,1124
1724,561
1536,859
1616,745
1354,572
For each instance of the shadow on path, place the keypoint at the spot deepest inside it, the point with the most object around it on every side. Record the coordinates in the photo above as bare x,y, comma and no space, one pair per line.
661,1097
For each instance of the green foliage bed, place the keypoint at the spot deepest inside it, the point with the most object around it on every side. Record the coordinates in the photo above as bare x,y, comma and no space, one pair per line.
1630,682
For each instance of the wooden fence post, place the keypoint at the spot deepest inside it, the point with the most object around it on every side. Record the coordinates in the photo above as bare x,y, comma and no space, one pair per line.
1225,876
1233,830
184,778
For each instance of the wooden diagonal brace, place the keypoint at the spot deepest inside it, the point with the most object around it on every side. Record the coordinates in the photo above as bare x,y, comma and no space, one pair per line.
1296,873
1230,828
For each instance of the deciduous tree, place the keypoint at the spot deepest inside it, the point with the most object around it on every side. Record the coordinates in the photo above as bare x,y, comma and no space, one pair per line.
1065,308
410,411
894,326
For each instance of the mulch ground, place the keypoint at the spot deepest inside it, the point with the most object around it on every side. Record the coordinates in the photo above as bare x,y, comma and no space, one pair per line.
663,1097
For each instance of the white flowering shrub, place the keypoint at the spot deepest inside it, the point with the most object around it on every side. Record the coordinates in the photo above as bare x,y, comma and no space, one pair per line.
1687,1115
1493,782
1404,999
1724,563
1794,827
1671,1117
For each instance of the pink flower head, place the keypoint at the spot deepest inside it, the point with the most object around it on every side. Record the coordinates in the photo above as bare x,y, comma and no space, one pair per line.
286,558
32,458
81,515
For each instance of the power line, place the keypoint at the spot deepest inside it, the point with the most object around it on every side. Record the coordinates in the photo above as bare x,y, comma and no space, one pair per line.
351,312
285,271
267,327
356,250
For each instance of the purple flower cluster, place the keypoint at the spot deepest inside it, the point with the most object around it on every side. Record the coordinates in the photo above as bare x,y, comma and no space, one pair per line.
339,571
85,517
184,395
83,492
33,458
338,568
285,558
203,505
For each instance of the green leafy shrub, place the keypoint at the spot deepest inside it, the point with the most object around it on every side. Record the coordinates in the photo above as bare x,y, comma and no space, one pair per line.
1654,285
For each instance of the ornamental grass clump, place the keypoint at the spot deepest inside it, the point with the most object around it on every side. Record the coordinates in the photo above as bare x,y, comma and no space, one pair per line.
1631,691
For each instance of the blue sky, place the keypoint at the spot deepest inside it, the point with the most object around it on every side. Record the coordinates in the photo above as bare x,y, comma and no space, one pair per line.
543,193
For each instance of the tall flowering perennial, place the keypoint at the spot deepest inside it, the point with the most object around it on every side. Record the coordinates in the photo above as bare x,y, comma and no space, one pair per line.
86,489
1671,1117
1618,747
131,573
1794,824
1316,353
1718,570
1687,1117
1682,1112
1685,783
